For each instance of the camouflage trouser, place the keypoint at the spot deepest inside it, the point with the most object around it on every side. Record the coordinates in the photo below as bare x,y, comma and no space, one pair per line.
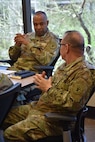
26,124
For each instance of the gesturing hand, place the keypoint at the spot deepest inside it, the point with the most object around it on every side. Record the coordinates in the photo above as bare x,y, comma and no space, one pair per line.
21,39
42,83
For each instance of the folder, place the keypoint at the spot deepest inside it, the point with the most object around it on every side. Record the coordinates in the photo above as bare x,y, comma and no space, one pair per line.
22,74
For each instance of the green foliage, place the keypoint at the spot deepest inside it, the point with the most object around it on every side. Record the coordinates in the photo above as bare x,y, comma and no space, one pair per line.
10,24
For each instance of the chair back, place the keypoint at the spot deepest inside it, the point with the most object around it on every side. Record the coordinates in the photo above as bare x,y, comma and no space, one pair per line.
50,66
6,64
7,99
9,61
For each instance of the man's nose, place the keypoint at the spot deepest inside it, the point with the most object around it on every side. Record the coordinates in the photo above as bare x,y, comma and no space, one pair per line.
39,26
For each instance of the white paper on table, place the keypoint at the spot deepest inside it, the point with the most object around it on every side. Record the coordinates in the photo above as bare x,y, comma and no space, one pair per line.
8,72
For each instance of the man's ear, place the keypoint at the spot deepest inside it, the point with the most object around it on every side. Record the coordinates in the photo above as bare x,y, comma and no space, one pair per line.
47,22
67,48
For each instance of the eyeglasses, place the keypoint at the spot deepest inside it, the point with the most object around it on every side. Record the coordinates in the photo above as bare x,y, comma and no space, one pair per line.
62,44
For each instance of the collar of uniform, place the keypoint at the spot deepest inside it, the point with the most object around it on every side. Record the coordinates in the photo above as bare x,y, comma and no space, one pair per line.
69,66
42,37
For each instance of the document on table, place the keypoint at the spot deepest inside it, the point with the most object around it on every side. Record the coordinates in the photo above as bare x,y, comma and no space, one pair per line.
8,72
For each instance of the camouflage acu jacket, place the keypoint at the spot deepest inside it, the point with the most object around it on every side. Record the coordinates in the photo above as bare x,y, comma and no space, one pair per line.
5,82
71,88
40,51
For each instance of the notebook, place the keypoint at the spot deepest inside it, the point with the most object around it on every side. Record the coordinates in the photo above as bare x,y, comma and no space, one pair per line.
22,74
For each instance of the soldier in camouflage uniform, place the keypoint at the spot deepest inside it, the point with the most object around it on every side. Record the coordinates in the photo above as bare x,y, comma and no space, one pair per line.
5,82
36,48
66,92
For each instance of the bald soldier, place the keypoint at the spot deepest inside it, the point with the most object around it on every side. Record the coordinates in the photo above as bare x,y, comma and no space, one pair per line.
66,92
36,48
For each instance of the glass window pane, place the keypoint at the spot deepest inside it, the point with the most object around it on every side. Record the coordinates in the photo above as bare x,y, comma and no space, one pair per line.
10,24
70,15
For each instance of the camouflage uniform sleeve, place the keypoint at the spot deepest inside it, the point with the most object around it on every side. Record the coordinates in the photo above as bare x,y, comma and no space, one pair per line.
14,52
5,82
70,96
44,54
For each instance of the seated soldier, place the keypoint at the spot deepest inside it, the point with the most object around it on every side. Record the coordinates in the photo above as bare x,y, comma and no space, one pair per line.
36,48
33,49
66,91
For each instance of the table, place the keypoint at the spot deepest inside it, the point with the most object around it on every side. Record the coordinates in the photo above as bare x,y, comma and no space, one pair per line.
24,82
29,81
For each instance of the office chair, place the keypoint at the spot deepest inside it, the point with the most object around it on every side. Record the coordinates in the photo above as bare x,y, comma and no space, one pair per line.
7,98
10,62
70,133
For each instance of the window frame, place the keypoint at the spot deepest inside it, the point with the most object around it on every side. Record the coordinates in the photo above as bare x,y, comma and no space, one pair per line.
26,11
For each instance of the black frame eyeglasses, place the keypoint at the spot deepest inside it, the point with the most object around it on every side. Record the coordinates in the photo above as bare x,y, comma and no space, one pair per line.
62,44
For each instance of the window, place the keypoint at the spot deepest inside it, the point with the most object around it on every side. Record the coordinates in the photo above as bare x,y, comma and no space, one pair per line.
63,15
70,15
11,22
